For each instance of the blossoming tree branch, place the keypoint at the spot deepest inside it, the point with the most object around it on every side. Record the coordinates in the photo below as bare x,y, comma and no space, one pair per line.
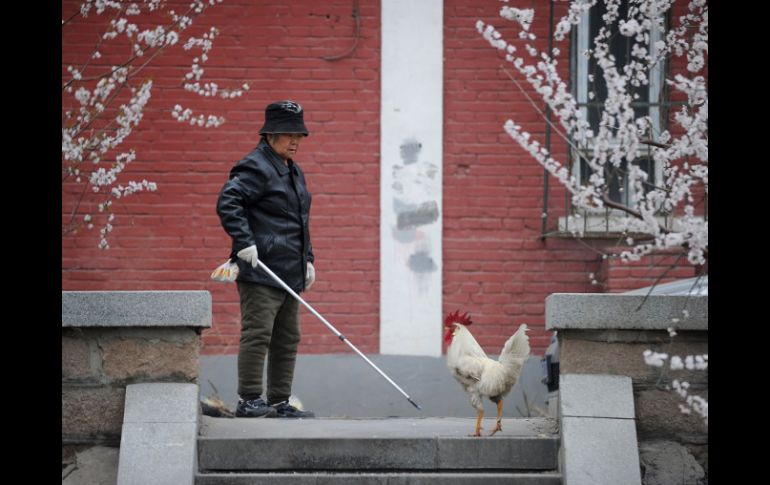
608,147
620,133
103,102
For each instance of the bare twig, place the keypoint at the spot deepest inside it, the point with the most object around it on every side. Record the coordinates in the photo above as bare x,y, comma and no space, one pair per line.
671,266
69,226
654,144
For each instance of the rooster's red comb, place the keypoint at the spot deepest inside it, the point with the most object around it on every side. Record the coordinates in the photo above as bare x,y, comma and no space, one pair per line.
457,318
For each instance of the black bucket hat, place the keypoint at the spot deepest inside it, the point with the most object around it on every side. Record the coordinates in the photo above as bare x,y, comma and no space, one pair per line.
284,117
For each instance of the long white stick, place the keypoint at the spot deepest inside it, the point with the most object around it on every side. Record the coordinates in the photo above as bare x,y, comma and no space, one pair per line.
336,332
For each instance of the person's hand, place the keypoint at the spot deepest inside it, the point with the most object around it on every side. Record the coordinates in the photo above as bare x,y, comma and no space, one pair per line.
249,255
309,276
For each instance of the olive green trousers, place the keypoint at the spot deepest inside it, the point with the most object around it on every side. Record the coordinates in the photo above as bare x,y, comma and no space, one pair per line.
269,327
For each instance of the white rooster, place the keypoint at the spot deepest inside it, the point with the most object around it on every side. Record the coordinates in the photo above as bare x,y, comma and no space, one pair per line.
478,374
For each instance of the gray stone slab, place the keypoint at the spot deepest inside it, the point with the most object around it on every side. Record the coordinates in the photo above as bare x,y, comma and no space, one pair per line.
382,454
332,453
157,453
384,444
497,452
617,311
600,451
136,309
161,402
395,478
246,428
596,396
158,439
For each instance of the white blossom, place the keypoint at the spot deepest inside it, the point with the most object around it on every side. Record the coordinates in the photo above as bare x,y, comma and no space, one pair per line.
96,122
523,16
629,28
694,402
654,359
621,130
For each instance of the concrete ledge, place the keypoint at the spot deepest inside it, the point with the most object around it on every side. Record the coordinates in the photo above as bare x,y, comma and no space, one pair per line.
136,309
159,434
616,311
428,444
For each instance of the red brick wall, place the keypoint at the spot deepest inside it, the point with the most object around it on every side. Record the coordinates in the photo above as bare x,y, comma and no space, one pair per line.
172,239
496,266
617,276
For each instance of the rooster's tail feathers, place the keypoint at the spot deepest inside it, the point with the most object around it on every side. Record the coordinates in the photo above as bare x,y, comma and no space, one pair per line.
518,344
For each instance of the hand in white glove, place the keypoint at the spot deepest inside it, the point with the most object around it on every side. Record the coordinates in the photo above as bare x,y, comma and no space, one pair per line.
309,276
249,255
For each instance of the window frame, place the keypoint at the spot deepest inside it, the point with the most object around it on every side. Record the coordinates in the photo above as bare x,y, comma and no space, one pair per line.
580,43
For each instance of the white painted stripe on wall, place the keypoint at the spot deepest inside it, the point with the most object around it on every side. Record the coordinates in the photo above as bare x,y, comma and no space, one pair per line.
411,123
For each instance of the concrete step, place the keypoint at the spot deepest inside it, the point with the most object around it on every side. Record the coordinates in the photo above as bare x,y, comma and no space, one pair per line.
405,446
369,478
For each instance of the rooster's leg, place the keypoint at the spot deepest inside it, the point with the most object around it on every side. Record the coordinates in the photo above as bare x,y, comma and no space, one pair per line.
499,426
478,423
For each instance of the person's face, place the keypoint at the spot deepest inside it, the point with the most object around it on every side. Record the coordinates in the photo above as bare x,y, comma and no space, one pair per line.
286,144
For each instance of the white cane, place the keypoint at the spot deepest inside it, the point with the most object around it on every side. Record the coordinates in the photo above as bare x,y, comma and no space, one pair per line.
336,332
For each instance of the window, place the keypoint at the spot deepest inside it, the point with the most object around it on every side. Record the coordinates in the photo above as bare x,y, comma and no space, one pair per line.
591,92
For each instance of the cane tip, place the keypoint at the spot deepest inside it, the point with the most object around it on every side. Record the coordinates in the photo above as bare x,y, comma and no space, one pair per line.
415,404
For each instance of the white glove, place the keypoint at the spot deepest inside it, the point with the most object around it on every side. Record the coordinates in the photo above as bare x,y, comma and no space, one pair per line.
249,255
309,276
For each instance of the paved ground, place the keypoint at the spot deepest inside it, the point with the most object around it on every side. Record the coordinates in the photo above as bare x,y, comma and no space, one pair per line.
94,466
344,385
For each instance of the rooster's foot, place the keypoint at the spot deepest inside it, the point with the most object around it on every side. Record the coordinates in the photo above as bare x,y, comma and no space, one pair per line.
499,427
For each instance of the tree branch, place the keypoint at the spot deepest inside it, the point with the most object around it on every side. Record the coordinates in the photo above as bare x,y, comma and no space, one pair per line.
166,29
654,144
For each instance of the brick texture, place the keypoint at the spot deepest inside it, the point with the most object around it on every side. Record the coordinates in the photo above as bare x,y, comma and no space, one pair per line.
171,239
496,265
656,269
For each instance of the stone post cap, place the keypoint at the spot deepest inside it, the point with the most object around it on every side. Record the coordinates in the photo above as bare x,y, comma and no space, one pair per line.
602,311
136,309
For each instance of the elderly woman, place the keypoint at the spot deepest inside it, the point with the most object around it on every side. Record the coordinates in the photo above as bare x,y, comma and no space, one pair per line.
265,208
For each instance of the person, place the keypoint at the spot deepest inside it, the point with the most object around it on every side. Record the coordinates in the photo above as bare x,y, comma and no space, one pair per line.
265,208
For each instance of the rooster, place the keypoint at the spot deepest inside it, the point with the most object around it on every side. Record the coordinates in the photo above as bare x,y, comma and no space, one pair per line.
479,375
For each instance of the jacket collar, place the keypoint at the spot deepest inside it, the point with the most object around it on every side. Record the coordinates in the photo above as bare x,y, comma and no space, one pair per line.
275,159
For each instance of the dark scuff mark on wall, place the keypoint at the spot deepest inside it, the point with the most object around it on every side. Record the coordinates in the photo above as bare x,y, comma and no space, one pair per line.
426,213
409,150
421,262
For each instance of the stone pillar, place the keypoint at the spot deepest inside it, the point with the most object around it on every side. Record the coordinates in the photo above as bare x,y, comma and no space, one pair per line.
606,335
111,339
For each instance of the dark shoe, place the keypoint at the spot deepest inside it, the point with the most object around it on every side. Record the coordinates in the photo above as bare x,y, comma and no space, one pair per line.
254,408
286,410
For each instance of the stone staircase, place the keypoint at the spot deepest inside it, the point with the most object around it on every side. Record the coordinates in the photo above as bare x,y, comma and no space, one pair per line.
376,451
